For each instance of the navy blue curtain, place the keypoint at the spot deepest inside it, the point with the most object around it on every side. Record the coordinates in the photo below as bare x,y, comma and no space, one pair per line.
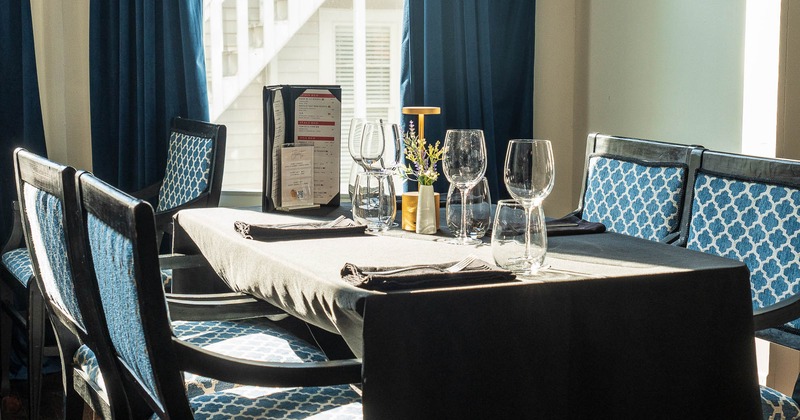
20,109
146,66
474,59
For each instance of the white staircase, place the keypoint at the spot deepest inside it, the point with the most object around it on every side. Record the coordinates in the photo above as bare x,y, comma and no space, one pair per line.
241,38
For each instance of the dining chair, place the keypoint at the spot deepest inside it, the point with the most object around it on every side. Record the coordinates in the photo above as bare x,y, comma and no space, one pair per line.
192,178
748,208
634,186
119,235
48,207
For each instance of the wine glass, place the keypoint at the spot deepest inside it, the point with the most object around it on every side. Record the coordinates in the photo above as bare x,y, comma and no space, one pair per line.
392,150
354,138
373,144
529,175
464,164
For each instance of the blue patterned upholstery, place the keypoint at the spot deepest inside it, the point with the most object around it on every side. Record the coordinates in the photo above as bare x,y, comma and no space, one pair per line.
166,279
332,402
188,170
18,263
112,255
777,406
756,223
255,339
45,217
635,199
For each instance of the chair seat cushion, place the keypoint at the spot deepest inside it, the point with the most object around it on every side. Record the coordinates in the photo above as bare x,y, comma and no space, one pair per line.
331,402
775,405
166,279
18,263
253,339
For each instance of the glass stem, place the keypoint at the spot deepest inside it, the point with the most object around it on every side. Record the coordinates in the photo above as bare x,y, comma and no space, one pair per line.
463,233
528,216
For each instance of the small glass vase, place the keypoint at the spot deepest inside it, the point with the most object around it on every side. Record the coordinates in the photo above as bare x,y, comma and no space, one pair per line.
426,210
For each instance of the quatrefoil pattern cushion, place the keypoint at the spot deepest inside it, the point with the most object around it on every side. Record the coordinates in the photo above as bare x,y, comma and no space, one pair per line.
252,339
188,170
632,198
756,223
777,406
332,402
18,263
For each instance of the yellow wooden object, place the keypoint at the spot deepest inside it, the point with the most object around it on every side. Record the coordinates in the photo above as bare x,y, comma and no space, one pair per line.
409,209
421,112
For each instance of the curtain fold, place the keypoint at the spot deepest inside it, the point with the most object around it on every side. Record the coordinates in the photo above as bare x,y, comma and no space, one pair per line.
147,66
474,59
20,109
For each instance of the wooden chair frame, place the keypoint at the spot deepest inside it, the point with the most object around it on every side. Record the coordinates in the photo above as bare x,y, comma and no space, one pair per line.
135,220
208,198
637,150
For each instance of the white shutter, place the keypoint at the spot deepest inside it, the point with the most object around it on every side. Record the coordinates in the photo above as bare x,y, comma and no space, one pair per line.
379,81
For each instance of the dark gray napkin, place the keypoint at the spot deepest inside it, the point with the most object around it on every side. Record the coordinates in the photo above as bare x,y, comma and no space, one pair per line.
286,231
478,272
572,225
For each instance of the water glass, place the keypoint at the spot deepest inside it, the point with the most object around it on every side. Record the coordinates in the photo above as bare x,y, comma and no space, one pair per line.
479,209
510,236
374,203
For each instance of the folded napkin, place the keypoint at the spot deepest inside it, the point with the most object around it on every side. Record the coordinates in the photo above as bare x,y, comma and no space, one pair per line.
572,225
339,227
424,277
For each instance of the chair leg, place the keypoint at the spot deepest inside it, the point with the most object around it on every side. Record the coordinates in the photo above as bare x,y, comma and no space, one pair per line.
5,342
36,330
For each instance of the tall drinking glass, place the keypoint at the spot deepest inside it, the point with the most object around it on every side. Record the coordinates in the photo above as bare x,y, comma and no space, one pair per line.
374,204
529,175
517,231
464,164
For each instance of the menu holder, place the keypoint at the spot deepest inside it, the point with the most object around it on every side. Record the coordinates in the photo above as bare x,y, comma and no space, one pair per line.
304,116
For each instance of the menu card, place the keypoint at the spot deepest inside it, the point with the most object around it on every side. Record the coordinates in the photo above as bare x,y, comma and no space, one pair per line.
297,177
303,116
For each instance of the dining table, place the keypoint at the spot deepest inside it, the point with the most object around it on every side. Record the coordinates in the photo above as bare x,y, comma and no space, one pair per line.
612,326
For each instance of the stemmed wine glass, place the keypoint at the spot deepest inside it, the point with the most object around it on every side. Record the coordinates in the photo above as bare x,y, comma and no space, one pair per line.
529,175
464,164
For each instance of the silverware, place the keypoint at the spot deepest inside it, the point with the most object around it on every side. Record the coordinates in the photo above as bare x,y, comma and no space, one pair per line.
561,225
452,269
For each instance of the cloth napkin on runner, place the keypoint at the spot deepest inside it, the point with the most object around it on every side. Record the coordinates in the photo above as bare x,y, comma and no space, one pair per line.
572,225
277,232
424,277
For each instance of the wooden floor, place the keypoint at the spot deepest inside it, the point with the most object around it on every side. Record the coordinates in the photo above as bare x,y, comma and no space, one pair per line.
15,406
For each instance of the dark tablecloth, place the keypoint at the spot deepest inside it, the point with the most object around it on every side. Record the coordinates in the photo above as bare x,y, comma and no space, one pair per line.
616,327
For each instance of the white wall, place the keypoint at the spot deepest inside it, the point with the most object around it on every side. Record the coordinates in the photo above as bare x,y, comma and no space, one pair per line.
669,70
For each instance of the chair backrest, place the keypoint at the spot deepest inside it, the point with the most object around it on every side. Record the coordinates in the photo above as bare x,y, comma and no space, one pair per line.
748,209
125,286
195,163
51,221
47,200
635,186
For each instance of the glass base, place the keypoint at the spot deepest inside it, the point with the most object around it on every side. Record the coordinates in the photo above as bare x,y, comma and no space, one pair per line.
464,241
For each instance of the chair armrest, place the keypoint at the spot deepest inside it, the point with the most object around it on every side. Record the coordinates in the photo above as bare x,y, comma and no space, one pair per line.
149,193
777,314
164,217
203,362
177,261
217,307
16,239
